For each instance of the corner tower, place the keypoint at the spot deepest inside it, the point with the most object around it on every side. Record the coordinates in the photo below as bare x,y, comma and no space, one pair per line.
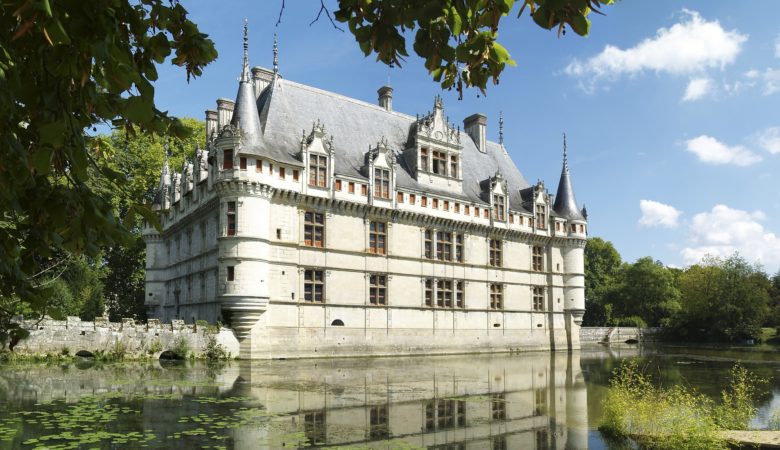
573,253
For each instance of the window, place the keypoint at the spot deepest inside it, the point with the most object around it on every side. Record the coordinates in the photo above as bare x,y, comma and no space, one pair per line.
573,228
258,165
231,218
537,259
378,426
424,201
582,229
476,211
377,289
351,187
520,220
282,173
496,296
444,293
458,247
541,216
313,286
540,403
495,253
318,170
457,207
439,163
227,159
377,238
242,163
467,210
498,406
538,298
435,203
429,292
442,414
444,245
485,213
295,175
511,218
459,299
499,207
270,169
453,166
314,428
364,190
400,197
429,244
557,226
412,199
424,159
231,273
314,229
338,185
381,183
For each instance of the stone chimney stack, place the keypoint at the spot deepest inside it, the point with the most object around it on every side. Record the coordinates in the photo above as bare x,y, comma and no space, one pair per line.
386,97
261,78
211,123
224,111
475,126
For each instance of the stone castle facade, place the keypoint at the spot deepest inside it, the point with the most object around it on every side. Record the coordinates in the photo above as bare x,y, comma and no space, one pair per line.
316,225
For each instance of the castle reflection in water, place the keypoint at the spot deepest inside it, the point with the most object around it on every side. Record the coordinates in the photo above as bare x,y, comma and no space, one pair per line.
526,401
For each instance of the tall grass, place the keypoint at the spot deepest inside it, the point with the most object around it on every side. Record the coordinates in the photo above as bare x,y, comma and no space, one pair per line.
677,417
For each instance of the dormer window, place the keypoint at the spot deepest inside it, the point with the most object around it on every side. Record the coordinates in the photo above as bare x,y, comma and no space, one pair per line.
318,170
424,159
453,166
440,163
541,216
499,207
227,159
381,183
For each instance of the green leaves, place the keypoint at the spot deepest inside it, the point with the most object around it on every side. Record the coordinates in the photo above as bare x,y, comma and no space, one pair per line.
456,38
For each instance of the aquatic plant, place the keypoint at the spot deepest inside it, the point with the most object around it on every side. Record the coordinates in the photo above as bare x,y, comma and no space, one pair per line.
678,417
215,351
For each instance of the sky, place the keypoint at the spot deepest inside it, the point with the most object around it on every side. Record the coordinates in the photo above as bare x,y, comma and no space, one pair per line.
670,110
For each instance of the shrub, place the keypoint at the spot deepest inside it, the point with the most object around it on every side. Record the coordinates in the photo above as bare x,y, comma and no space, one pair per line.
181,347
675,418
155,347
214,350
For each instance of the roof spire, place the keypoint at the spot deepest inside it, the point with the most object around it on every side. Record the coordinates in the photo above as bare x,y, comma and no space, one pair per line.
245,69
565,203
565,155
501,127
276,56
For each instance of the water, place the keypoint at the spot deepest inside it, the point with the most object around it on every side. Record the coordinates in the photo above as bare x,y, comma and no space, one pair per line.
526,401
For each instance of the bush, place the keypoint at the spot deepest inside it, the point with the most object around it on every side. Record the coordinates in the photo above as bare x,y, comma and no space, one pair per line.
181,347
675,418
155,347
214,350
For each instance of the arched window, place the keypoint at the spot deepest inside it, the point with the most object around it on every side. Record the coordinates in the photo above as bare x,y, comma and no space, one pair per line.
337,323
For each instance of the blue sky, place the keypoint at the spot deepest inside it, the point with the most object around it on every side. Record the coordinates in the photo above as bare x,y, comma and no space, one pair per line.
670,108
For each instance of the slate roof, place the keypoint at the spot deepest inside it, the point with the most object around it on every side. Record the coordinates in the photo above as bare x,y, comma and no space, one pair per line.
287,108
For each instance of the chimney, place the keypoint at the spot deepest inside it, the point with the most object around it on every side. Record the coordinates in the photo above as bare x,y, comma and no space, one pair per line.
211,123
261,77
224,111
386,97
475,126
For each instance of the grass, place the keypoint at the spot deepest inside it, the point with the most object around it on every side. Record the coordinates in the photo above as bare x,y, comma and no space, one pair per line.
677,417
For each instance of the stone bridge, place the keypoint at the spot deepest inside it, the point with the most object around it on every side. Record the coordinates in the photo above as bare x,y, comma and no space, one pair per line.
74,336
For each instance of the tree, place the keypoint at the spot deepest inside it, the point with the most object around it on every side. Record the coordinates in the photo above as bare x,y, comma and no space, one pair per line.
458,39
64,68
602,263
723,299
646,290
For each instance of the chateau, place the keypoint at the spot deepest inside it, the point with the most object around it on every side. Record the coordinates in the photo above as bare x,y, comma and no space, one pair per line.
318,225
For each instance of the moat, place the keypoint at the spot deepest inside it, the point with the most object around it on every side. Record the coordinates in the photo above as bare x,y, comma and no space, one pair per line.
529,401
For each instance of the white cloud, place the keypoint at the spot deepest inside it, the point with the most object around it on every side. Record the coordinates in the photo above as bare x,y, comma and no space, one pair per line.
712,151
770,78
687,47
697,88
769,140
777,47
724,230
658,214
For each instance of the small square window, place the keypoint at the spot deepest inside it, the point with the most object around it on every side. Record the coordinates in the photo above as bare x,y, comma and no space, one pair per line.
231,273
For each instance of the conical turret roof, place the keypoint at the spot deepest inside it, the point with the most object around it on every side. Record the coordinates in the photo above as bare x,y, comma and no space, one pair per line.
565,202
245,114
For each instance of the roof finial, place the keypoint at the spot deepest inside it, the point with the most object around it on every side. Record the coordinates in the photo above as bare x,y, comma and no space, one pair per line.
565,154
245,69
276,56
501,127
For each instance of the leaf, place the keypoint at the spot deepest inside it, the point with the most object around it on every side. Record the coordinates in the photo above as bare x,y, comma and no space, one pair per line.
139,109
52,133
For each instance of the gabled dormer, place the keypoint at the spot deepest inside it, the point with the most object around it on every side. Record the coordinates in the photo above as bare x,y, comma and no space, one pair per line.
317,153
498,198
436,152
379,167
541,207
